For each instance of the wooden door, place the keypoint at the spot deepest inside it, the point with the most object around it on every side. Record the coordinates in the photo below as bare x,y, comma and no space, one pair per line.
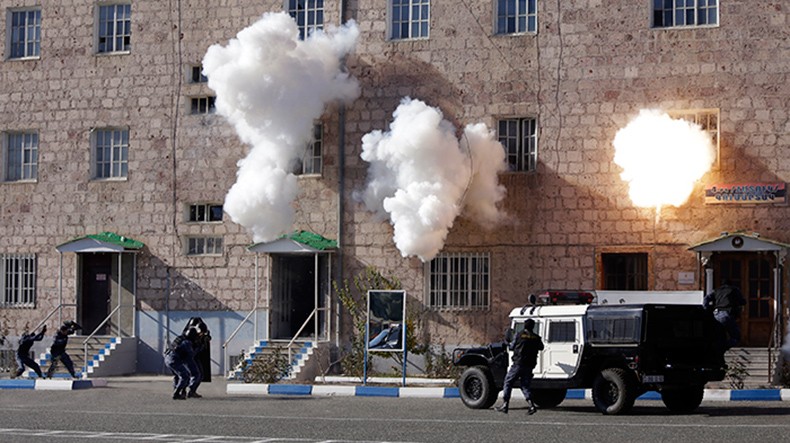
753,274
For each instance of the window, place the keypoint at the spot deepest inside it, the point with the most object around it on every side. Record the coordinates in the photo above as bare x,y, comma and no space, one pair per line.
197,75
25,34
624,271
204,246
601,330
459,281
409,19
18,280
516,16
111,153
708,120
519,136
308,14
312,160
677,13
204,213
115,28
21,156
203,105
562,332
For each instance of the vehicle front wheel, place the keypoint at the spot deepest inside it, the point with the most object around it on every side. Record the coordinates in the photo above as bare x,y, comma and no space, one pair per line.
614,391
548,398
477,389
683,400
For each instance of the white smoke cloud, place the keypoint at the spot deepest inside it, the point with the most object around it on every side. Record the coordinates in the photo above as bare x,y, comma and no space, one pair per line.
422,178
662,158
271,86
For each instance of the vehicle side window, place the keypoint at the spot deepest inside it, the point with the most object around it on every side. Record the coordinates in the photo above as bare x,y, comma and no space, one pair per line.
562,332
613,330
519,326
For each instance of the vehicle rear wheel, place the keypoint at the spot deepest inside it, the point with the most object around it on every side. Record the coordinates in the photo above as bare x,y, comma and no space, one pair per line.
548,398
614,391
476,387
683,400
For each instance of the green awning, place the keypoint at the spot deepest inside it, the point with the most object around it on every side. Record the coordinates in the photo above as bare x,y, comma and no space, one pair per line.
103,242
295,243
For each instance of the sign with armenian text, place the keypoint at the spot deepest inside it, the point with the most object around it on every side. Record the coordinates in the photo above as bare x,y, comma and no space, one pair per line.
746,193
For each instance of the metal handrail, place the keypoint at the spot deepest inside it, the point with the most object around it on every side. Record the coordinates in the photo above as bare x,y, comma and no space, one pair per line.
774,344
232,335
87,339
57,308
312,314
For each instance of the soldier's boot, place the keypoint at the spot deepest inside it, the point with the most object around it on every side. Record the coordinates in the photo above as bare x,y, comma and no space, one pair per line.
532,408
193,394
502,408
179,394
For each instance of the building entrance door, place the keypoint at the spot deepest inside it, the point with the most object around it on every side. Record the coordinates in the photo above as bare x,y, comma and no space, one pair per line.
753,274
96,293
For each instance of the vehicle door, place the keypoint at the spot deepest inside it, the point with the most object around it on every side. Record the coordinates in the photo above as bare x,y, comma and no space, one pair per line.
518,326
563,345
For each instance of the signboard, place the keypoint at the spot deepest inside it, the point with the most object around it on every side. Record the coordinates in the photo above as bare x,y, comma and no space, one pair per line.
386,321
746,193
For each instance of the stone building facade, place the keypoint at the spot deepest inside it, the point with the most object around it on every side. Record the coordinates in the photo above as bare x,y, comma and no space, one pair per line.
580,70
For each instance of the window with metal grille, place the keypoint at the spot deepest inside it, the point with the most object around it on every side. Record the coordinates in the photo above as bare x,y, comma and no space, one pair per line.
625,271
114,28
409,19
111,153
519,136
685,13
18,280
516,16
25,34
21,156
459,281
205,212
708,120
308,14
562,332
203,105
204,246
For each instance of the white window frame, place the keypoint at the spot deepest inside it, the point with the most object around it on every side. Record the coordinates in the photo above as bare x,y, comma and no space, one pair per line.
118,150
519,138
18,273
308,15
417,20
112,44
706,118
31,34
524,17
202,212
458,281
200,246
25,167
312,161
202,105
700,12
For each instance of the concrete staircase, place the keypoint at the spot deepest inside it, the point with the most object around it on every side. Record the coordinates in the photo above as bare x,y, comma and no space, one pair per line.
747,369
99,349
300,354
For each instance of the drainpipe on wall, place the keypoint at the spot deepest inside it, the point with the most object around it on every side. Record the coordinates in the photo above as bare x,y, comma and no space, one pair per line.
341,196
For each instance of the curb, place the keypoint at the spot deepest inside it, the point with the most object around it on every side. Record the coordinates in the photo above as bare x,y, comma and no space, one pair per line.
52,384
430,392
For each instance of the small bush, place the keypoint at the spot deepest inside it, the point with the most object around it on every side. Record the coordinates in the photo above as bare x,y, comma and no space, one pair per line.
267,368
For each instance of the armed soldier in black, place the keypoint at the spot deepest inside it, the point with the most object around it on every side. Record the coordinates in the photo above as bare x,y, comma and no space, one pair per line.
525,347
58,349
23,353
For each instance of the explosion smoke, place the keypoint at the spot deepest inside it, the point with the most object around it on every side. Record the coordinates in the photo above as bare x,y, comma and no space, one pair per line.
662,158
271,86
422,178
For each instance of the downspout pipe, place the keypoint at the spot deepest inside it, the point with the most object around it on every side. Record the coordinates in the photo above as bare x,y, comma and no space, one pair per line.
341,195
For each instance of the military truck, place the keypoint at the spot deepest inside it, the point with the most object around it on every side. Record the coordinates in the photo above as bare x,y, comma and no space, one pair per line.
617,351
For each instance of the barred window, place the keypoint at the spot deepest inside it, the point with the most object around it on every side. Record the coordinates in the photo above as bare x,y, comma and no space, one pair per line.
459,281
516,16
519,136
205,212
685,13
25,34
308,14
114,28
204,246
708,120
18,280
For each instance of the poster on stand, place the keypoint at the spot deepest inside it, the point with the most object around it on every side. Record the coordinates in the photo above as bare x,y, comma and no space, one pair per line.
386,321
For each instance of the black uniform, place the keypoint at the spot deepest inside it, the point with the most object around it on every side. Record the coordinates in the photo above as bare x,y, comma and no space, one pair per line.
525,347
58,349
727,302
23,353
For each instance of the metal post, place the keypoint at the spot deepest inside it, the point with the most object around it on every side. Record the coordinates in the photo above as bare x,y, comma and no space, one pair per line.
120,291
134,295
405,350
708,280
315,296
365,361
255,304
60,290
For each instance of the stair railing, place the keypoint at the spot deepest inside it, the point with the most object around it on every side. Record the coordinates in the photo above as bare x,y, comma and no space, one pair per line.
774,345
313,316
225,358
58,308
92,334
